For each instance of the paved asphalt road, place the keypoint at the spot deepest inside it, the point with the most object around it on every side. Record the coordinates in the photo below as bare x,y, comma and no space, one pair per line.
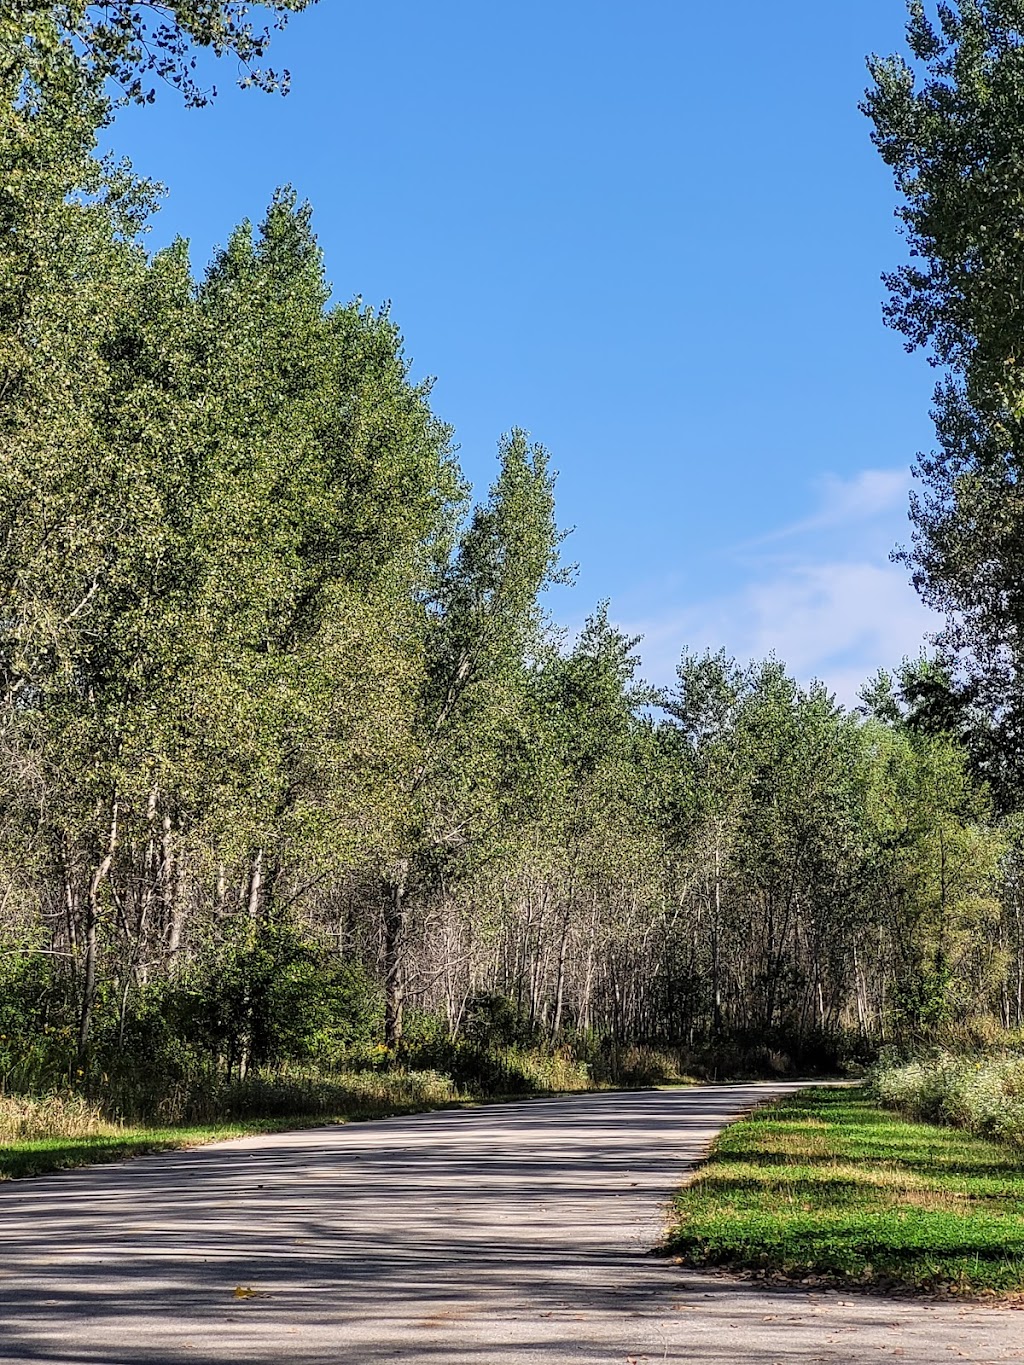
508,1235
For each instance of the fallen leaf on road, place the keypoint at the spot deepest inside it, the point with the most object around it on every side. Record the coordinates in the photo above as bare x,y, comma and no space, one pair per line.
243,1291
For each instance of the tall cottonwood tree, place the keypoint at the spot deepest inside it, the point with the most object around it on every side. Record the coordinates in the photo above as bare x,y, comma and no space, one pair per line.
481,621
222,506
949,123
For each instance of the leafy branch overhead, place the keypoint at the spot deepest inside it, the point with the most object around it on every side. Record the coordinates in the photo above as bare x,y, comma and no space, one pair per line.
133,47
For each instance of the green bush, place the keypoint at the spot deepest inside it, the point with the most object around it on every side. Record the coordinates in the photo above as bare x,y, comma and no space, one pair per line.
984,1095
37,1021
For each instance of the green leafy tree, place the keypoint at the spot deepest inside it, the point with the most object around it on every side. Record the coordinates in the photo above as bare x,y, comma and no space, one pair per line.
935,864
706,794
481,622
948,121
594,817
69,48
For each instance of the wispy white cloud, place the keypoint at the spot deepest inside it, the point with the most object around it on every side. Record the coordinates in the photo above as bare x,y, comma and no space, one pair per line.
837,622
831,607
870,494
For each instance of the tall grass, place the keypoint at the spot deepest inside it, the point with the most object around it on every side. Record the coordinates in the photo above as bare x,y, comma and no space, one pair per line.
118,1107
65,1129
26,1119
351,1095
286,1092
984,1095
143,1108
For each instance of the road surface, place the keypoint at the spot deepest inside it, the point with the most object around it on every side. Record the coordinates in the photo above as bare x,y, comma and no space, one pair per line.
506,1235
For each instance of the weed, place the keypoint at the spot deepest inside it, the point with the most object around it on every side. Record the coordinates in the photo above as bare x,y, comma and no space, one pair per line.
984,1094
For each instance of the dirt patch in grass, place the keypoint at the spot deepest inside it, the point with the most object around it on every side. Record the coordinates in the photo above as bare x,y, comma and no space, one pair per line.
827,1187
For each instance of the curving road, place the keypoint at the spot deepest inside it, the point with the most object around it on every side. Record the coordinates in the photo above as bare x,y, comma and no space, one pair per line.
508,1235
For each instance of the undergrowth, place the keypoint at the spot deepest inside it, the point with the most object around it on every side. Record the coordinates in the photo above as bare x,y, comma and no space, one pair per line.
123,1116
984,1094
63,1130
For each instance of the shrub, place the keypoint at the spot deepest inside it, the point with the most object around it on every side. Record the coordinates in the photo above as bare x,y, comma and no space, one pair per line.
983,1094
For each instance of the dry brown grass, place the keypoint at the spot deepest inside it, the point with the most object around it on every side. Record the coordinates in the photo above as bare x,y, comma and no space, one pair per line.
23,1119
58,1131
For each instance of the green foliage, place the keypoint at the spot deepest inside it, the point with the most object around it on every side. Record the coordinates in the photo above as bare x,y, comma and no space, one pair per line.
63,49
495,1019
947,123
36,1037
983,1093
936,872
825,1186
947,120
296,773
255,994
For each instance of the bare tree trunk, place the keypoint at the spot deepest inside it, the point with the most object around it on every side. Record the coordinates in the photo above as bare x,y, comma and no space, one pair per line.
255,886
71,909
858,981
253,902
616,1018
395,913
587,1001
166,876
563,946
177,912
92,917
716,980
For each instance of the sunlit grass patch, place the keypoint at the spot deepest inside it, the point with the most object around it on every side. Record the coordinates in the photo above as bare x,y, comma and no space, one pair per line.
827,1185
60,1131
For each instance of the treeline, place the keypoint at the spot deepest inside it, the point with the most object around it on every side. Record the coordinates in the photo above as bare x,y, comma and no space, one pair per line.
293,765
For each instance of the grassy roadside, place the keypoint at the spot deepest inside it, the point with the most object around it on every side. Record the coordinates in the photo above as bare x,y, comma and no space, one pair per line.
65,1129
63,1132
827,1187
42,1155
39,1156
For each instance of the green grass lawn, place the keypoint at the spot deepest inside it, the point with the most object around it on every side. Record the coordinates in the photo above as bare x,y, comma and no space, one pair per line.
827,1185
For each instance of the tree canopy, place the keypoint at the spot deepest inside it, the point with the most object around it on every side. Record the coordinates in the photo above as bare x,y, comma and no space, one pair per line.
296,769
947,118
127,45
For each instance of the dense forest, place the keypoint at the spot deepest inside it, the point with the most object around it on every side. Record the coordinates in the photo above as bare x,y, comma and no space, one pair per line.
296,769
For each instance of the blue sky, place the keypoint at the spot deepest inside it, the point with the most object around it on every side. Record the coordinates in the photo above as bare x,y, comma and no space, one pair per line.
650,233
